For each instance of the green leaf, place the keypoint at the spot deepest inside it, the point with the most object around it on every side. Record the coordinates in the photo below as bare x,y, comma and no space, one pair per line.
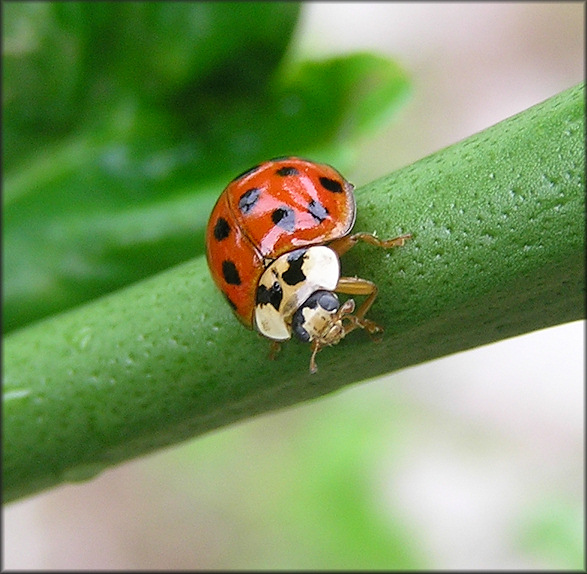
497,250
65,64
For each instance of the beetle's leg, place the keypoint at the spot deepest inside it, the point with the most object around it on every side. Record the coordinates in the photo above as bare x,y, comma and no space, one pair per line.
357,286
345,319
336,331
343,244
315,348
274,349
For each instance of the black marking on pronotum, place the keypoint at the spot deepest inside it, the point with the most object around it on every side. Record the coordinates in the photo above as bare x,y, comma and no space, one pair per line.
271,296
221,229
230,273
317,211
248,199
284,217
294,273
331,185
246,172
287,170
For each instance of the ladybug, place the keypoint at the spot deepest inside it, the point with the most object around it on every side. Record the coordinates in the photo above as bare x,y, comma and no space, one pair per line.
273,244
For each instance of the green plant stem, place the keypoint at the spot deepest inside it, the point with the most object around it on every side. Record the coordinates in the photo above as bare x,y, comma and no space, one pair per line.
497,250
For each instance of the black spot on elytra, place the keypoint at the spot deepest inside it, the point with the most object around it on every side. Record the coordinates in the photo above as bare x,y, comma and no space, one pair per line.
221,229
285,218
318,211
331,185
230,273
294,274
248,199
271,296
287,170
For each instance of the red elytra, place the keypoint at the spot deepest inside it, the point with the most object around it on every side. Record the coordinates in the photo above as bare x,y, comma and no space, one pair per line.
271,209
273,245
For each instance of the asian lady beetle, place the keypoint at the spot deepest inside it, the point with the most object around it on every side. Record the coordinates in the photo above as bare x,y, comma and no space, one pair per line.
273,244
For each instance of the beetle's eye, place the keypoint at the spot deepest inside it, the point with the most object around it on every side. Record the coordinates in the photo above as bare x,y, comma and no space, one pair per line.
312,316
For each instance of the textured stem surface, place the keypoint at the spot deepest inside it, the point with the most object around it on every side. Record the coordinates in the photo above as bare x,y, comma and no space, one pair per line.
497,250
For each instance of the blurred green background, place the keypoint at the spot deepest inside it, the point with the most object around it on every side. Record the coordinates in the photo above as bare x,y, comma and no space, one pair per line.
121,125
